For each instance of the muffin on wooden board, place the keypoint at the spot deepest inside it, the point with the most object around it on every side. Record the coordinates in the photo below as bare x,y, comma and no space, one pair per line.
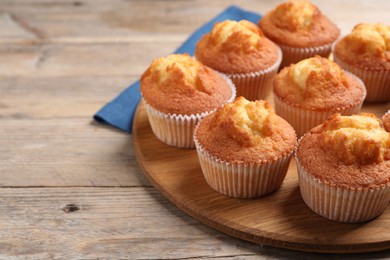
244,148
344,168
178,91
244,54
365,52
308,92
300,30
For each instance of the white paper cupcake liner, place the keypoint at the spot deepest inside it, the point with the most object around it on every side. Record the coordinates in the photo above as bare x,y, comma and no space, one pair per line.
176,129
338,204
256,85
242,180
295,54
377,82
302,120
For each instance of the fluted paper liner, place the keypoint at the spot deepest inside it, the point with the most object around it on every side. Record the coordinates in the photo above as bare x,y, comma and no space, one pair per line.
242,180
296,54
303,119
256,85
377,82
341,204
176,129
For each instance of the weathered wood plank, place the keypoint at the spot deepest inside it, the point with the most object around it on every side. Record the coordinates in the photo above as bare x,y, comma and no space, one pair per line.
58,97
127,223
63,152
79,59
122,222
102,20
11,31
128,21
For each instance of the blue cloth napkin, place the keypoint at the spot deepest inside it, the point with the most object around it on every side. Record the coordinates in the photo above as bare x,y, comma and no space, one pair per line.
120,111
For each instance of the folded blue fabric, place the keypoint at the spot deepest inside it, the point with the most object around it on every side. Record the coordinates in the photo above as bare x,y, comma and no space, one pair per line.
120,111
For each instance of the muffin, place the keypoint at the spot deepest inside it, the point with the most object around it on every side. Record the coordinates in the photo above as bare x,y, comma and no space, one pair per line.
308,92
177,92
344,168
300,30
386,121
244,148
241,52
365,52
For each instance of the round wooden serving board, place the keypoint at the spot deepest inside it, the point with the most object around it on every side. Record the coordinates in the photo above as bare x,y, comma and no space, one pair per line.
280,219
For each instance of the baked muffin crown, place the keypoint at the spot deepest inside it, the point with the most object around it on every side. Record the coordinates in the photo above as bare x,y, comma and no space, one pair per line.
318,84
356,139
246,132
369,39
242,35
299,24
311,73
244,121
295,15
178,84
237,47
178,71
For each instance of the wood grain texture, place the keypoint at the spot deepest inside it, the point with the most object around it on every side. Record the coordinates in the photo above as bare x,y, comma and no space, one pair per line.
35,225
281,219
116,223
60,152
91,21
65,97
57,60
60,61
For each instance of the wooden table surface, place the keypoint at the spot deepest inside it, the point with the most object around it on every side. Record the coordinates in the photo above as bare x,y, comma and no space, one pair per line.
71,188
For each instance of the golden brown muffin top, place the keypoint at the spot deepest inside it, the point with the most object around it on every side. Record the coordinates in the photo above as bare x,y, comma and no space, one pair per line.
178,84
356,139
236,47
298,23
246,132
386,121
317,84
367,46
348,151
